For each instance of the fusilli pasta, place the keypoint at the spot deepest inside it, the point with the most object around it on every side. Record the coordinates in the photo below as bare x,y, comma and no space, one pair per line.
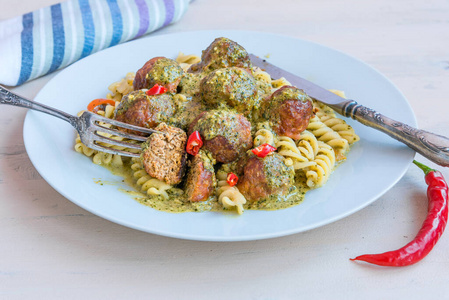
330,119
120,88
264,136
185,61
146,183
326,134
278,83
229,196
318,174
297,157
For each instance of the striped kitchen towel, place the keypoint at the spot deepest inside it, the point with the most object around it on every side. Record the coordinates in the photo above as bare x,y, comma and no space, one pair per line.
53,37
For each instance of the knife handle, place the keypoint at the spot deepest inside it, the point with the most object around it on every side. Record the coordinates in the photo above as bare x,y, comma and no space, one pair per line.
432,146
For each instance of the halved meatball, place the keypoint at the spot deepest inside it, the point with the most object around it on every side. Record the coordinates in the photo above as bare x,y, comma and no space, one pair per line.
137,108
226,134
263,177
222,53
158,70
233,87
164,155
289,109
201,181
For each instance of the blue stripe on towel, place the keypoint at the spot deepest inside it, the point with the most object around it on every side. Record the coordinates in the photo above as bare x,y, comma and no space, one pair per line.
26,38
58,37
89,28
117,22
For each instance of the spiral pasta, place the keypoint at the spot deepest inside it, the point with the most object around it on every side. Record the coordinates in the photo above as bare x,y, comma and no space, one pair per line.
318,174
108,111
83,149
264,136
146,183
120,88
326,134
278,83
98,157
261,75
329,118
308,144
186,60
229,196
298,157
341,127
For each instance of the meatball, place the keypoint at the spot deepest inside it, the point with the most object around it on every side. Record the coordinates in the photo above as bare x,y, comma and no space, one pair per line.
164,155
158,70
289,109
222,53
137,108
233,86
226,134
201,181
263,177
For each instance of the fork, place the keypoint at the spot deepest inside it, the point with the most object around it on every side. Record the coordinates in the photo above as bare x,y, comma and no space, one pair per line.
91,127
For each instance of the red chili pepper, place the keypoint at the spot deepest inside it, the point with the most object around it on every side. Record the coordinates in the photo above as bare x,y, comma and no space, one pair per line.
232,179
194,143
156,90
431,230
263,150
94,104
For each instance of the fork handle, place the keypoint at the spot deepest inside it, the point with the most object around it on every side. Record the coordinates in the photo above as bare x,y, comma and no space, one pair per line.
432,146
10,98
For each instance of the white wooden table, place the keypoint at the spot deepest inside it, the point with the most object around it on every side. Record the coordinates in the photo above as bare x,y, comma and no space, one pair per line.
54,249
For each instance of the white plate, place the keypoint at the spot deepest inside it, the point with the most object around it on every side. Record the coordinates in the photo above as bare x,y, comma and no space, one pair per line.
373,166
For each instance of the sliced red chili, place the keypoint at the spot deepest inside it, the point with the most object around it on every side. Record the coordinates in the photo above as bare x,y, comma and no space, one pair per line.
194,143
263,150
232,179
156,90
431,230
94,104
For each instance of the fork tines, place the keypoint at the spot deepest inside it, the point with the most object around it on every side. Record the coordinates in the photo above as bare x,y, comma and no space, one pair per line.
110,140
116,123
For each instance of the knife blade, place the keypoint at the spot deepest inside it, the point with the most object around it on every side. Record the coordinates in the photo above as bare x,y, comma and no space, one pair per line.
310,88
433,146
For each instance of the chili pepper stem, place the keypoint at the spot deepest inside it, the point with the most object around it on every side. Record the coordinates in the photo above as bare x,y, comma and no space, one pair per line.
423,167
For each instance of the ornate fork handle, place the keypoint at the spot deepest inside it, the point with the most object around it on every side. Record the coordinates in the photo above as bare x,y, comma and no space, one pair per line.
432,146
8,97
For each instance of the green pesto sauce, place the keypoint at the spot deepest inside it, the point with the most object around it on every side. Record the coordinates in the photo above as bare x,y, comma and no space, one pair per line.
176,203
164,71
128,100
233,86
190,83
294,197
162,106
275,171
187,104
225,54
290,93
218,122
187,109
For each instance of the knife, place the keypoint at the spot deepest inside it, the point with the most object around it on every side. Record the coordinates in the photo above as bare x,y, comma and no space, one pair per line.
432,146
